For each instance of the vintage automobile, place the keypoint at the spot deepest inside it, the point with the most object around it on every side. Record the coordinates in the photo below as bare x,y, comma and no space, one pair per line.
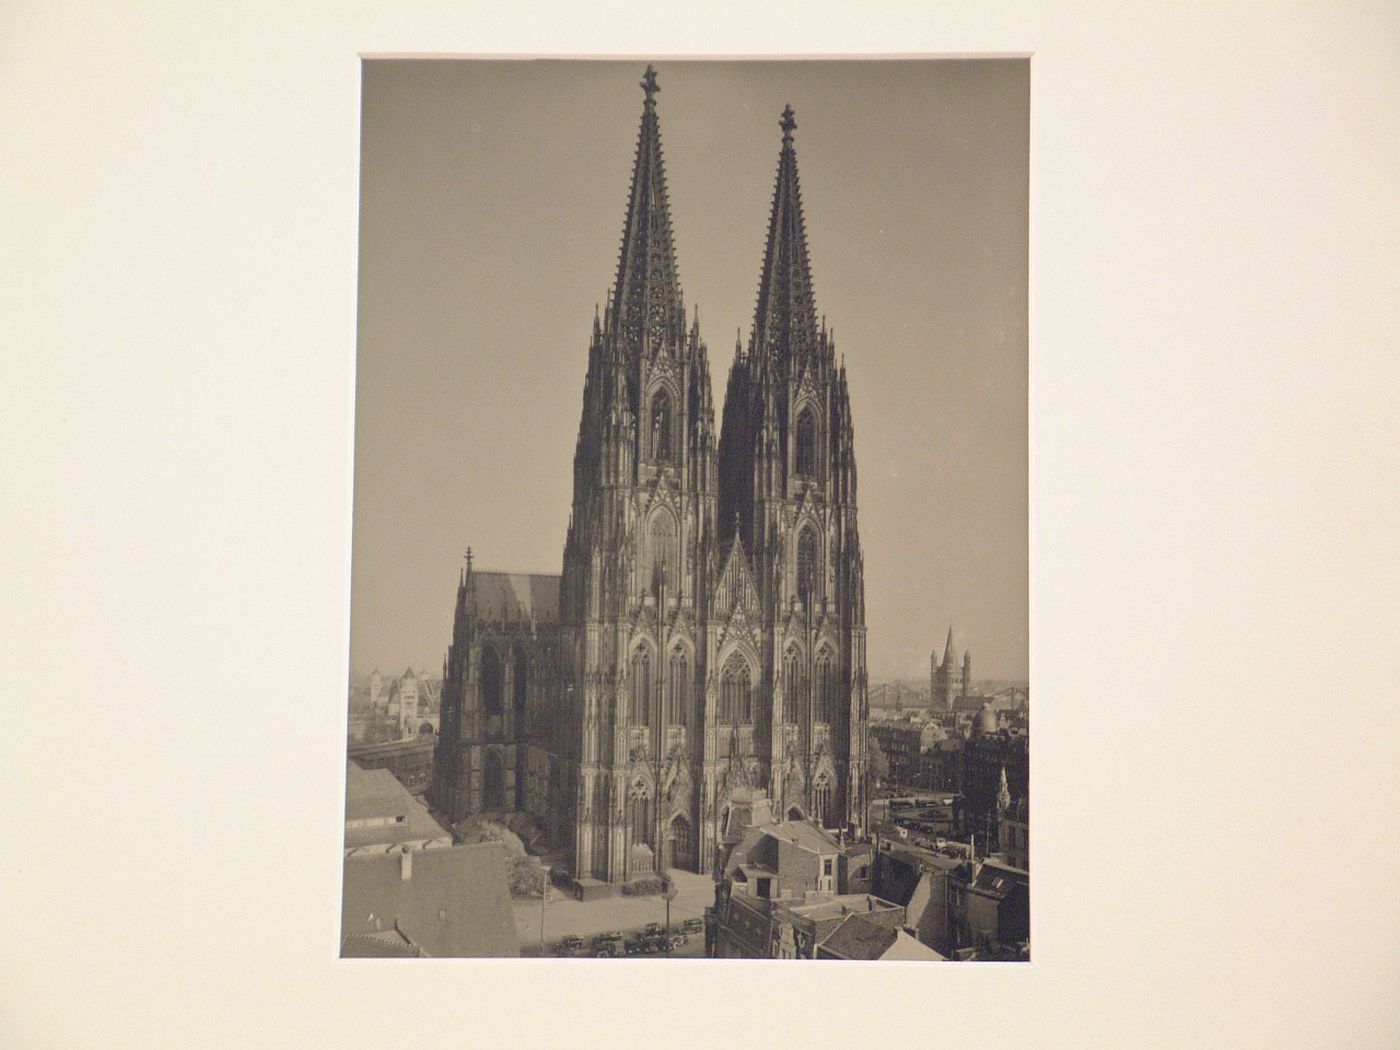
638,945
608,946
678,940
570,946
693,926
651,929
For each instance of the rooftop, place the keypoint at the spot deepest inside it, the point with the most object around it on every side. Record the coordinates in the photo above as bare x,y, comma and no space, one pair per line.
516,596
379,811
449,903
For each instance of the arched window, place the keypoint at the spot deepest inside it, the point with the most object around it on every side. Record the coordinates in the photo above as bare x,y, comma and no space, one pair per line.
493,783
661,427
809,566
641,687
490,680
521,685
826,688
679,688
806,443
662,541
821,800
736,692
792,679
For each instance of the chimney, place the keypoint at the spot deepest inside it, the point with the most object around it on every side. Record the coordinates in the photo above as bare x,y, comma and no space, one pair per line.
405,865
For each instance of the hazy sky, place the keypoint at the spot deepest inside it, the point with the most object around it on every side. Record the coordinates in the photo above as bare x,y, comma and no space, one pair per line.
492,200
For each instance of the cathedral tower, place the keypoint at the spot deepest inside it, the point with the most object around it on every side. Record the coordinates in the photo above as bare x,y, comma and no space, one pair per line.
637,556
787,519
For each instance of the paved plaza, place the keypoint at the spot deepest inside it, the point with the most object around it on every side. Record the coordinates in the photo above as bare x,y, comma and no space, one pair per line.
563,915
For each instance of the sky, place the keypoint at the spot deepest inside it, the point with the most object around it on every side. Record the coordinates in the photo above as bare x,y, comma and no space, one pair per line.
492,200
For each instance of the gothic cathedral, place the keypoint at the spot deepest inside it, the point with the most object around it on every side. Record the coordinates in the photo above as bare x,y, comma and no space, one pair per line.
706,637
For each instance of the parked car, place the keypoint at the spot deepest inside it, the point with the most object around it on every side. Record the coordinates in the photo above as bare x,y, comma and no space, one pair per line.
608,946
570,946
638,945
678,940
693,926
653,928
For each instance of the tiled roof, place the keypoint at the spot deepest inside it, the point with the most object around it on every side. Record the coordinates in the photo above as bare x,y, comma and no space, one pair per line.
454,903
516,596
859,938
804,834
910,949
375,795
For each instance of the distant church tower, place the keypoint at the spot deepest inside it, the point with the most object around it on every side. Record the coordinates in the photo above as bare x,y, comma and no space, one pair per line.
793,595
948,680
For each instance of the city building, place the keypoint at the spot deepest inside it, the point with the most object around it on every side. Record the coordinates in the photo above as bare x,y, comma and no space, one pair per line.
906,743
989,910
706,635
918,879
381,815
1014,835
410,760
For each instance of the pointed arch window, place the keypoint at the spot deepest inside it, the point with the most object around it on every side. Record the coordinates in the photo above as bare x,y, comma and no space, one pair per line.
792,682
809,567
679,707
662,541
661,427
491,680
826,688
736,692
640,678
806,464
520,686
821,800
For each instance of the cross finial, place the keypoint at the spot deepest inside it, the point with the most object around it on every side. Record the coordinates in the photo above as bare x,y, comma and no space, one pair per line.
787,123
649,84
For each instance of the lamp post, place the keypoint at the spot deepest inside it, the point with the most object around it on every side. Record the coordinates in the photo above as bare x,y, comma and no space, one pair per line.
544,899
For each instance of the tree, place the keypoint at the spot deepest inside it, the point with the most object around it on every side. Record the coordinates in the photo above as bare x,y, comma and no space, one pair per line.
879,763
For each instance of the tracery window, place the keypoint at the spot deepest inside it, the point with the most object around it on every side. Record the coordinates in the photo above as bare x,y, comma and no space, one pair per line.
661,427
679,706
736,692
663,551
809,568
826,688
792,673
806,464
640,678
491,680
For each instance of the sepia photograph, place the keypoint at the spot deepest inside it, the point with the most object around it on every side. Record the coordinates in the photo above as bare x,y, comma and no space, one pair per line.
637,668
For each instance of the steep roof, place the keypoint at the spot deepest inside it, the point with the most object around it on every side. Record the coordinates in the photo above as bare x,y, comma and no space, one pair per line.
910,949
516,596
454,902
383,811
804,834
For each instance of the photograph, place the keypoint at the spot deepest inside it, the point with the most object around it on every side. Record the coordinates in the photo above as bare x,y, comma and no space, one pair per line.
635,669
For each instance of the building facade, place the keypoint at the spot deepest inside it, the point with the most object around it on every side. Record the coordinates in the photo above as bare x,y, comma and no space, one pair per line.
949,679
706,635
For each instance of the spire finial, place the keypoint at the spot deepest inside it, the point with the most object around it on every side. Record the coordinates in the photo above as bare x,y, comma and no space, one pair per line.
787,124
649,84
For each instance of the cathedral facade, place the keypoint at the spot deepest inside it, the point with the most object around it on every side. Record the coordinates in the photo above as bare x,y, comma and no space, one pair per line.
705,639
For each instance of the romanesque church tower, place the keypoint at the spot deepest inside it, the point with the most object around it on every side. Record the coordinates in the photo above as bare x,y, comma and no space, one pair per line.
790,542
638,554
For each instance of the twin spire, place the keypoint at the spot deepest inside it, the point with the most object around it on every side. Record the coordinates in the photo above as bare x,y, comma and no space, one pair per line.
646,303
647,306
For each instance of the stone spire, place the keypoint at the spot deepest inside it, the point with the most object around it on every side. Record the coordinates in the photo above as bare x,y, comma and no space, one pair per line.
646,302
1003,793
785,323
948,648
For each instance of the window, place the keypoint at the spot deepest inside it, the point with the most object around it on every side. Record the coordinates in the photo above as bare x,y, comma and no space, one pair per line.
826,688
661,427
640,677
663,551
490,680
679,709
792,672
826,865
736,692
809,570
521,685
806,464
